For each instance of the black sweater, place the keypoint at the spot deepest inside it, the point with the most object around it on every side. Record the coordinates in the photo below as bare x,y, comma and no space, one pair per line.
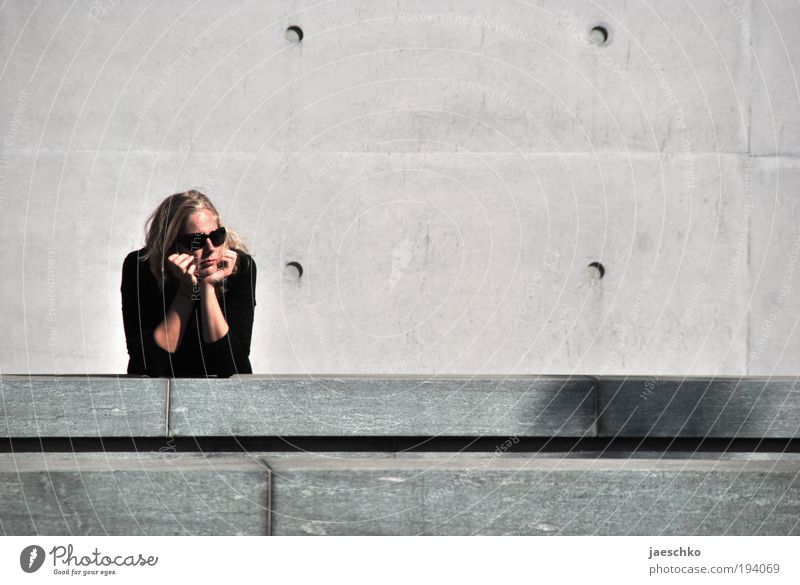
144,306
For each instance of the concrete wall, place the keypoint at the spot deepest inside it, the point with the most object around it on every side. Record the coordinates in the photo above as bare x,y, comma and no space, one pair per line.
443,172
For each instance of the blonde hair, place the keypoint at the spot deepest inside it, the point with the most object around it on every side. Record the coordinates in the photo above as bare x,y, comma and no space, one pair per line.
165,223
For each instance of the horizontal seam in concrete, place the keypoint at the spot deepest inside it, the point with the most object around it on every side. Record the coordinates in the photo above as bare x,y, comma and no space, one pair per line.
593,154
287,465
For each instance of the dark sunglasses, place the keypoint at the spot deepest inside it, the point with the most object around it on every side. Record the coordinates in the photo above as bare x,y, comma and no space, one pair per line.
197,240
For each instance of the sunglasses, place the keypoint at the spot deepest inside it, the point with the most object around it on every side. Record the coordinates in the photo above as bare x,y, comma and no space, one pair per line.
197,240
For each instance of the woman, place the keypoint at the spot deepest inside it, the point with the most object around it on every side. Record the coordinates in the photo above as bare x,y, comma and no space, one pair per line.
188,296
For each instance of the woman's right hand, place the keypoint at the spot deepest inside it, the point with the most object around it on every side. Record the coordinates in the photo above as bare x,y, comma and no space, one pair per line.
182,267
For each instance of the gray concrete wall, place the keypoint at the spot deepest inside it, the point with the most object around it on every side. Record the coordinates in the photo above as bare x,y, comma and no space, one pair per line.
443,172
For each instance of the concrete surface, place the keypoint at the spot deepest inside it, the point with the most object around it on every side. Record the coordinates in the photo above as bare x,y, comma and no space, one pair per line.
444,174
77,406
443,493
400,406
383,407
143,495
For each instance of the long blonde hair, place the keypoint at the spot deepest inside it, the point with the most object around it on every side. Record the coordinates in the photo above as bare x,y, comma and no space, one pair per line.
165,224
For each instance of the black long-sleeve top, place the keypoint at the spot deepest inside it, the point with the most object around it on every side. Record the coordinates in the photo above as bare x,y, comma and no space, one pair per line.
144,306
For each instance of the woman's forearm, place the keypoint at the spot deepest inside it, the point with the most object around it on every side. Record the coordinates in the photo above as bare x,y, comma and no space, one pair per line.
215,327
169,332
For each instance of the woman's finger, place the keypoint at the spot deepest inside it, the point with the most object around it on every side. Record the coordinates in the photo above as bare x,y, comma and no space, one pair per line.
230,258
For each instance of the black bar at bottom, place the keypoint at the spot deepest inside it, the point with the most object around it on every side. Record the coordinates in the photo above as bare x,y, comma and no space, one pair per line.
598,445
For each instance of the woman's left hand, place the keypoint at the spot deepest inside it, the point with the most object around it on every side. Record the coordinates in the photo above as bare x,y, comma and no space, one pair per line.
217,272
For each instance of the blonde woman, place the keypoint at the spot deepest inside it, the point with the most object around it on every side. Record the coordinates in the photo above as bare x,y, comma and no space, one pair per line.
188,296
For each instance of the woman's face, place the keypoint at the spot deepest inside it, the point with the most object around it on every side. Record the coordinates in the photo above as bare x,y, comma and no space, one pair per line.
202,221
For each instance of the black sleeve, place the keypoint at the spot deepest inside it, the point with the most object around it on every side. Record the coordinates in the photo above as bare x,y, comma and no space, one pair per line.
142,311
230,354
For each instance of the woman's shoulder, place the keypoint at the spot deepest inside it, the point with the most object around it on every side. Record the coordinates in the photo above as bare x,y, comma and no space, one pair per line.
135,257
243,281
136,263
246,263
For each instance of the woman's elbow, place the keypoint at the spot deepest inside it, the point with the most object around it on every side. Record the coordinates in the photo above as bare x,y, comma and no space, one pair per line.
164,342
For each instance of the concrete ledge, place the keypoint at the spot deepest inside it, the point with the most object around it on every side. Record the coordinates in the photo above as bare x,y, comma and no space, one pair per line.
383,406
461,495
82,406
62,494
403,494
400,406
638,406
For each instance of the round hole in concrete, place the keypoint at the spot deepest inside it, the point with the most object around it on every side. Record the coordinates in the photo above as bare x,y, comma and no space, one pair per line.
599,35
294,34
596,270
293,271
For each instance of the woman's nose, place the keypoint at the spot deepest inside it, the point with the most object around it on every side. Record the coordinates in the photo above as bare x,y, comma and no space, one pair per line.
209,246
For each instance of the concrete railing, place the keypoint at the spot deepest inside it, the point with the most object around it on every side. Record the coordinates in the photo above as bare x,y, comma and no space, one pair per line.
351,406
59,490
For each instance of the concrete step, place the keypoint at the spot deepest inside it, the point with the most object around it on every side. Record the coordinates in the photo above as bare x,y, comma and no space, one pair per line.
464,495
393,494
114,494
